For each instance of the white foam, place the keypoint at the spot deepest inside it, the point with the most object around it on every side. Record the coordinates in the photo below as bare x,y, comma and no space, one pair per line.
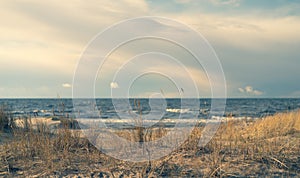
178,110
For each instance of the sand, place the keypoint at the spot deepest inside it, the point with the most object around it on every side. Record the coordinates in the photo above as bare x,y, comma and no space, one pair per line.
37,120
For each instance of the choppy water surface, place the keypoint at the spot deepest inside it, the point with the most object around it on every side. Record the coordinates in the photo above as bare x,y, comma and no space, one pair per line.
173,107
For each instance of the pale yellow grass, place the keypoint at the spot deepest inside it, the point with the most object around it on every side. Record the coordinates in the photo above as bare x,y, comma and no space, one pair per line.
264,147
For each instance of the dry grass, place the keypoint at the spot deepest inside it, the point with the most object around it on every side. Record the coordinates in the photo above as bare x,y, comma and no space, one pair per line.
6,121
268,146
265,147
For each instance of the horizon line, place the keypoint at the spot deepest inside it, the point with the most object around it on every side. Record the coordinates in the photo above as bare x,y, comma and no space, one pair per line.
149,98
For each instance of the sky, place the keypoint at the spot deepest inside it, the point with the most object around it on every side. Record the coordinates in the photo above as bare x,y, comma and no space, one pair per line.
257,43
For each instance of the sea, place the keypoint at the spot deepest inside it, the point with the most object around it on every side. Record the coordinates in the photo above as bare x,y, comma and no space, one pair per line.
152,109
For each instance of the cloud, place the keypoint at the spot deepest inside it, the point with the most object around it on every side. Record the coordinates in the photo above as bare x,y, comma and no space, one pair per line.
214,2
250,32
183,1
66,85
114,85
241,90
250,90
226,2
54,34
62,32
257,92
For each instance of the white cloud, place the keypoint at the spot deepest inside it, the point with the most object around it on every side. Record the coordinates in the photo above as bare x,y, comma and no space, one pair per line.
250,90
66,85
257,92
114,85
241,90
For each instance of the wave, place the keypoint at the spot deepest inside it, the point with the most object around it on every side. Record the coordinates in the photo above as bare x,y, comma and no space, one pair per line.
167,120
178,110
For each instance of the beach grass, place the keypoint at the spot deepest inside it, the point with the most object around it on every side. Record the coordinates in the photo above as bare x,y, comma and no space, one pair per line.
269,146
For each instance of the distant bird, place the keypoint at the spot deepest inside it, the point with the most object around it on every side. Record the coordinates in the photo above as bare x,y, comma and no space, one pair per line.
162,92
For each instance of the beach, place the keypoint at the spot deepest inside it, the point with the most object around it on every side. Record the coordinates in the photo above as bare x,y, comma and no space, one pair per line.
269,146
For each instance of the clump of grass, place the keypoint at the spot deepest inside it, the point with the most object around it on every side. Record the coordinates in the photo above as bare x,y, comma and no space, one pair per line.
140,133
272,143
69,123
278,125
6,119
37,149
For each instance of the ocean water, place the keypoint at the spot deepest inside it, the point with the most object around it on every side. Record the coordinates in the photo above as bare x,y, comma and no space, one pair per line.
168,109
